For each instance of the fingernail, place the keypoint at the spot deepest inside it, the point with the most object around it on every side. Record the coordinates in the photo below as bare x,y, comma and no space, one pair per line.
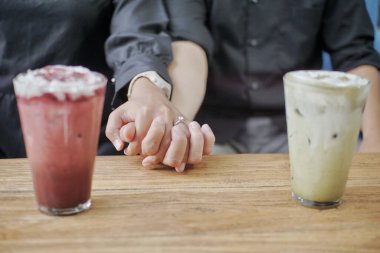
148,161
147,164
207,126
118,144
181,168
194,125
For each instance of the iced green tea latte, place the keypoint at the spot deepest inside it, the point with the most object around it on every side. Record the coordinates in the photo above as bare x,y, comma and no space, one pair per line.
324,111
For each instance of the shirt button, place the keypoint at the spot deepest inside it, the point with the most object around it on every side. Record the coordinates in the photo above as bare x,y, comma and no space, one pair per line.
253,43
113,80
255,85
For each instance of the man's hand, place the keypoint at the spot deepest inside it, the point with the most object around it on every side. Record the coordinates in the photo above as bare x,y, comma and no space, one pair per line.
146,103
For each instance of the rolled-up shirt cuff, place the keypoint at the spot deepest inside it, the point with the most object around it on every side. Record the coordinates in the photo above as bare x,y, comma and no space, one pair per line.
202,38
353,57
126,71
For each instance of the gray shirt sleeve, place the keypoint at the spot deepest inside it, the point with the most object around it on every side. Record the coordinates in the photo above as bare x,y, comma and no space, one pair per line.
188,21
348,35
138,43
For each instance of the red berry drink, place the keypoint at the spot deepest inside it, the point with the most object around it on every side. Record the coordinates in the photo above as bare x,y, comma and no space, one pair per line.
60,109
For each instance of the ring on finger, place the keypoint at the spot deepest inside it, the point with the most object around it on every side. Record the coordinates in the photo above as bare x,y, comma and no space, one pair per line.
180,119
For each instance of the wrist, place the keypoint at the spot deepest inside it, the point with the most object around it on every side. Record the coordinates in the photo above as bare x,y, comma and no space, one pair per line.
155,79
143,87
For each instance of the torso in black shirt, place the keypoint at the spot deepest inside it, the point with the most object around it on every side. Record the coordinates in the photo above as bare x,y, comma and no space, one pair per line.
251,44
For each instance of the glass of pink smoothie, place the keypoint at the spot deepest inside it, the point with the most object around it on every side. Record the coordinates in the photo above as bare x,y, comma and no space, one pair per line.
60,109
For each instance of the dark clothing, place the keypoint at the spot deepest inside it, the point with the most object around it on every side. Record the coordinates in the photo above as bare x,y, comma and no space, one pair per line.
139,42
36,33
11,141
252,44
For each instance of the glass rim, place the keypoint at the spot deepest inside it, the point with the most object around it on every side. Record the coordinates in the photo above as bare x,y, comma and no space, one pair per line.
356,82
33,83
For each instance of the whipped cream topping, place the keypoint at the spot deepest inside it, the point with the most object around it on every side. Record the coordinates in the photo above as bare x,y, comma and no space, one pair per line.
59,81
327,78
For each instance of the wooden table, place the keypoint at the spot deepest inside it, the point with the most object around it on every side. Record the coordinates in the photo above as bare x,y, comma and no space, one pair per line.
235,203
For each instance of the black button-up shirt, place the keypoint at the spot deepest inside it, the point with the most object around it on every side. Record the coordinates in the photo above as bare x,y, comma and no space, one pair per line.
251,44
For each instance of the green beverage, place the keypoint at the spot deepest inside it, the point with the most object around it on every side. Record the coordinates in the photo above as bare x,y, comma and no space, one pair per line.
324,111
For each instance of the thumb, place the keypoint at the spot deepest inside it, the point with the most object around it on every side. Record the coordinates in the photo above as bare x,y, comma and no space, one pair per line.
114,124
128,132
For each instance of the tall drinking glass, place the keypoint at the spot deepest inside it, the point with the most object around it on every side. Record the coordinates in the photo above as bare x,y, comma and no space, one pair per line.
60,109
324,111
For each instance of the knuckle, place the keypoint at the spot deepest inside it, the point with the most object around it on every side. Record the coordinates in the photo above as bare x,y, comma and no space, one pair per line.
144,111
180,140
109,133
149,147
112,117
157,128
165,111
197,135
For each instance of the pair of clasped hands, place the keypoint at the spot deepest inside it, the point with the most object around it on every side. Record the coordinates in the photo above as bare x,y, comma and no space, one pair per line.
155,129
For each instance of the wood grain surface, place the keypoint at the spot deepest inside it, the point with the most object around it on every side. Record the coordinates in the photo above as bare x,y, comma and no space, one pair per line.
232,203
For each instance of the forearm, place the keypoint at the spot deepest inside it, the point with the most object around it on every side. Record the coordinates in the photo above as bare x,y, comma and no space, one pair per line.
371,117
188,72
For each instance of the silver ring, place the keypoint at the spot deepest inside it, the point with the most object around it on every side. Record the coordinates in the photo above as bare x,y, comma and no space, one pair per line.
180,119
